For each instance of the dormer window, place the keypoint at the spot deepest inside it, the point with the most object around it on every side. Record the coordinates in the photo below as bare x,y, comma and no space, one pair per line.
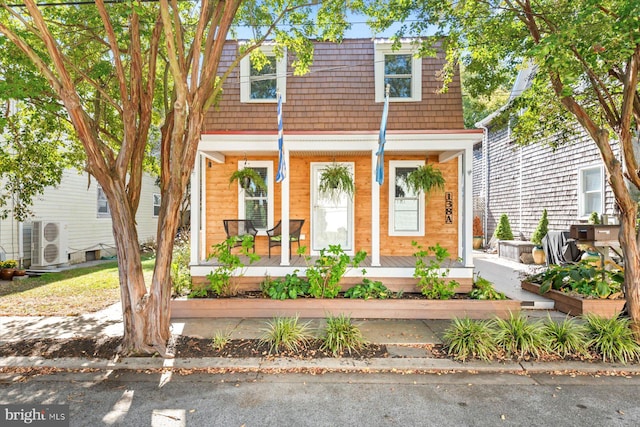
399,69
262,76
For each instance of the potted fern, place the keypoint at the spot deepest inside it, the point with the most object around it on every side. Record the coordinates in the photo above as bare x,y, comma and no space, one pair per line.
246,177
536,238
335,180
425,178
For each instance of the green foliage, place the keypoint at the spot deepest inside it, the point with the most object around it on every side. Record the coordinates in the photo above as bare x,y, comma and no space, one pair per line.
594,218
229,266
220,340
503,230
564,338
336,179
180,273
249,174
612,338
519,337
425,178
342,335
430,274
541,230
582,278
466,338
289,287
368,289
325,273
483,290
9,263
286,334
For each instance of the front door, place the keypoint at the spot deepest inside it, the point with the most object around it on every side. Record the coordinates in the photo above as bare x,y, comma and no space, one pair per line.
331,220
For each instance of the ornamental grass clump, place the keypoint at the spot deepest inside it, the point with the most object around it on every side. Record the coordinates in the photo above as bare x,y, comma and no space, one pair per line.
342,335
286,334
565,338
519,337
612,338
467,338
220,340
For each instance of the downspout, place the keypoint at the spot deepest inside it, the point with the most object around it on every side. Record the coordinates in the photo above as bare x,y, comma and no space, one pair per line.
485,178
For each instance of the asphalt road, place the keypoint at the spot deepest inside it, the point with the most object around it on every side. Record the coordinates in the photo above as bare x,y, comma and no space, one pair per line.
250,399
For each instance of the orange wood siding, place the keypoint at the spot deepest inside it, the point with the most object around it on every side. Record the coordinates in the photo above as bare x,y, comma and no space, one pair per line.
338,94
222,203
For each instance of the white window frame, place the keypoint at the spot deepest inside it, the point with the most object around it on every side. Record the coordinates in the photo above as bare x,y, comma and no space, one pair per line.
383,48
98,198
393,165
270,190
154,197
281,76
581,193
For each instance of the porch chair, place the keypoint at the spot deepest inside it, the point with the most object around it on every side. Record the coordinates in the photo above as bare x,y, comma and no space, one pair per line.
238,229
275,234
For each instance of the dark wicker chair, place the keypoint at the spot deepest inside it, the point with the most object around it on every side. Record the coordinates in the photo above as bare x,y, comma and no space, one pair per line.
238,229
275,234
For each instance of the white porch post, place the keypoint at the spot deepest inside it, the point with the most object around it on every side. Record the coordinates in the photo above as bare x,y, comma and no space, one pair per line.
375,213
467,207
195,210
284,209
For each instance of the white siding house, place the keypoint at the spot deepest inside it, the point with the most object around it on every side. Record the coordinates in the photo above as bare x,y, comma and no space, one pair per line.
85,223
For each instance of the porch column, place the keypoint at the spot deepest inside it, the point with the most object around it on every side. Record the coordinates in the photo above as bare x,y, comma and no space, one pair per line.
284,209
195,210
467,207
375,213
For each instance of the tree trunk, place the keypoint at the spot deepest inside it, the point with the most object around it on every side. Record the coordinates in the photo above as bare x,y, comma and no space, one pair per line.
629,245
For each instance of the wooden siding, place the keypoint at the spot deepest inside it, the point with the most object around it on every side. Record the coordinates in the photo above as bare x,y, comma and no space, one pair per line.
522,181
338,95
222,203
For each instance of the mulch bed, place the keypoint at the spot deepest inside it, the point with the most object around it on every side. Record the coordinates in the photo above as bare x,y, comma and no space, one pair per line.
107,348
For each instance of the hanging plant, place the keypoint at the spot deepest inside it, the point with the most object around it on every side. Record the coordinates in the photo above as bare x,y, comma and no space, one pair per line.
246,177
426,178
335,180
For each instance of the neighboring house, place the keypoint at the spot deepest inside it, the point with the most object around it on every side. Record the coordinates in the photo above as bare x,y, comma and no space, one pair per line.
333,114
569,181
71,223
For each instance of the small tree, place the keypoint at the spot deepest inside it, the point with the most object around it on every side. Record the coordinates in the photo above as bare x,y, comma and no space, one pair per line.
541,230
594,218
503,231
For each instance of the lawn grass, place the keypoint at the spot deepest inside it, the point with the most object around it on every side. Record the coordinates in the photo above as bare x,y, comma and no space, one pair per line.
68,293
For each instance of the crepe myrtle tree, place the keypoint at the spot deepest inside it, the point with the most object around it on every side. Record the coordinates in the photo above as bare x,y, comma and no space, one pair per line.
121,70
585,55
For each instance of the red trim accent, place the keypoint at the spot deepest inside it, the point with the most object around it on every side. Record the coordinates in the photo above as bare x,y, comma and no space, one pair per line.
331,132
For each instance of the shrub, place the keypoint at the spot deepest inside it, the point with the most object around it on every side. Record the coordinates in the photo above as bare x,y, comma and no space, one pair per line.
180,273
564,338
541,230
612,338
466,338
477,227
431,277
503,230
220,279
325,273
582,278
368,289
519,337
342,335
483,289
286,333
289,287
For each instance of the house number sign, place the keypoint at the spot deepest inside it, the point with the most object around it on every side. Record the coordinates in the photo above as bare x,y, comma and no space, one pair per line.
448,208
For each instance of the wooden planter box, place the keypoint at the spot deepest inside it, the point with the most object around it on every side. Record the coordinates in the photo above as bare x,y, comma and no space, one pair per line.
575,305
358,309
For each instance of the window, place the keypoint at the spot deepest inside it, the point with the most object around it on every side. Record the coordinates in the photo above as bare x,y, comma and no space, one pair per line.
406,208
255,204
261,76
103,205
156,204
400,70
590,191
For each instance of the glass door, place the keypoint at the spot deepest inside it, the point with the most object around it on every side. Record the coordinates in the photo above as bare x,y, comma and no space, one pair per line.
331,219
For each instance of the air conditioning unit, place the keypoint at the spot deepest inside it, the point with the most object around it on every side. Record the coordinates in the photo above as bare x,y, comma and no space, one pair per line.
48,243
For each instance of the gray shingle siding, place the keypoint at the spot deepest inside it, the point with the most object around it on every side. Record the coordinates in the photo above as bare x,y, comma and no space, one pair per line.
522,181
